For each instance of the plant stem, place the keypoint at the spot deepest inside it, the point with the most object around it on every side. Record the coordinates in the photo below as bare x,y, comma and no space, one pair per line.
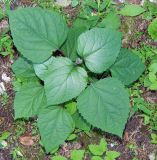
98,1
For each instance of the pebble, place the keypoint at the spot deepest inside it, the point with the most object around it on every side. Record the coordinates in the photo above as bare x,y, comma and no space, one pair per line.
4,144
5,78
152,156
63,3
2,88
112,144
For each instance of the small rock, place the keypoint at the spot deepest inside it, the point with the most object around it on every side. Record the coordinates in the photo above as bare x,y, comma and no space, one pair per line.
4,144
154,1
5,78
63,3
152,156
2,88
112,144
3,26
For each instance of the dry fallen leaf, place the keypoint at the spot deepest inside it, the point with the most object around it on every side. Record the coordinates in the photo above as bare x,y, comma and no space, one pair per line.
26,140
126,136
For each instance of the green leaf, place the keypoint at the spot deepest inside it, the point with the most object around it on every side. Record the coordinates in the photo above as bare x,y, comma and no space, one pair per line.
69,47
112,21
77,154
153,86
105,105
86,22
96,48
63,80
58,158
104,4
74,3
4,136
80,123
91,4
29,100
37,32
153,138
23,68
2,15
131,10
112,155
98,150
128,67
71,107
152,29
21,81
153,68
152,77
96,158
55,125
42,70
72,137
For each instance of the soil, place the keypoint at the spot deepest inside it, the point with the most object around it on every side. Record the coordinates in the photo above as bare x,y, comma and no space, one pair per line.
6,111
136,139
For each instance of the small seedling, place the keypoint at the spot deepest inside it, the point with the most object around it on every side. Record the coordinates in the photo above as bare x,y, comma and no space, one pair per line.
112,155
98,150
153,138
77,154
58,158
6,46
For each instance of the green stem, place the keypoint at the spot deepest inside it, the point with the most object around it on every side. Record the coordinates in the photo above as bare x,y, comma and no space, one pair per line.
98,1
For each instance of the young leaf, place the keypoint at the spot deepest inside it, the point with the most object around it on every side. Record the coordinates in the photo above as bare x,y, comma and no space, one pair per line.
98,150
105,105
112,155
96,158
80,123
128,67
63,81
71,107
29,100
77,154
37,32
72,137
69,47
86,22
55,125
4,136
112,21
104,4
23,68
153,138
131,10
58,158
152,29
96,48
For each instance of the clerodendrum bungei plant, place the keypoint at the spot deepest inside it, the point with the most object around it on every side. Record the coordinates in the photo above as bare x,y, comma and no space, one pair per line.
85,86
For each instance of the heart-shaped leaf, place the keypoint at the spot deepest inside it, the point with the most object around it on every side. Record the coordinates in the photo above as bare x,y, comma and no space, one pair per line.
96,48
37,32
30,100
63,80
23,68
131,10
80,123
99,149
105,105
128,67
70,46
112,21
55,125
